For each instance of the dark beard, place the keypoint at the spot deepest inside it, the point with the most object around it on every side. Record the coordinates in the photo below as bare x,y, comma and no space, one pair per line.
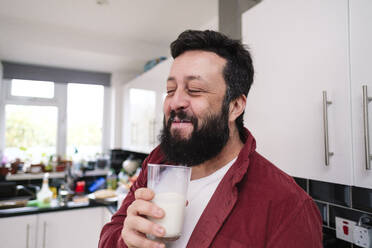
202,145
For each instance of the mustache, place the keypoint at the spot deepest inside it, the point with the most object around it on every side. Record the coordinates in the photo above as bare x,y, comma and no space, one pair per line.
181,115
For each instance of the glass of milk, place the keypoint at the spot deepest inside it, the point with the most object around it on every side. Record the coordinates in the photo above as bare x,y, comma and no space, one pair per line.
169,182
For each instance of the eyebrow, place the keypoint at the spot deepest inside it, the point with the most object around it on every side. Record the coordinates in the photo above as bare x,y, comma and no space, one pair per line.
187,78
171,79
193,77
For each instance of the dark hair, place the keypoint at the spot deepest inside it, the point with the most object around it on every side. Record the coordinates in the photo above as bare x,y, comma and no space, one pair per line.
238,72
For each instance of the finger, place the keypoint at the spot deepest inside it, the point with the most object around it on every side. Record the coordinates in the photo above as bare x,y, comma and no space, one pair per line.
144,194
144,225
141,207
133,239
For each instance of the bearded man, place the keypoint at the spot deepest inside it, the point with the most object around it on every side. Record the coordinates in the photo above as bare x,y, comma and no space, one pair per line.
236,197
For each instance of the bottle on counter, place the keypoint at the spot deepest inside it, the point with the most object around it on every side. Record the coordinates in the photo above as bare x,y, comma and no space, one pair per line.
45,195
112,180
63,195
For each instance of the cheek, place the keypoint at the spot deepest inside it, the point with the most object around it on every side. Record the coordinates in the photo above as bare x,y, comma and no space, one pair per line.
201,110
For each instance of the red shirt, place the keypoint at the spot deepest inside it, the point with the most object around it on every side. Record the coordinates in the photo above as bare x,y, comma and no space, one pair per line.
255,205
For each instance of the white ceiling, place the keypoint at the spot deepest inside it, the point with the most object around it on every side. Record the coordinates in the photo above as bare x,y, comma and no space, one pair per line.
116,37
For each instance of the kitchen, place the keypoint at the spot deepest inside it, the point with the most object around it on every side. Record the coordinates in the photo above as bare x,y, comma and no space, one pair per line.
311,61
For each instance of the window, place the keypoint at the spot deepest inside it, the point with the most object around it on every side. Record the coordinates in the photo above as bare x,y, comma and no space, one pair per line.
31,132
41,89
33,118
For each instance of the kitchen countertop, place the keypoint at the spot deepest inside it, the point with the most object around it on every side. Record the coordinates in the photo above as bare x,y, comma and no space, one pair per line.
11,212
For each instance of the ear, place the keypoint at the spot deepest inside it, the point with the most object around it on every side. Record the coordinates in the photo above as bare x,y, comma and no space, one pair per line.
237,107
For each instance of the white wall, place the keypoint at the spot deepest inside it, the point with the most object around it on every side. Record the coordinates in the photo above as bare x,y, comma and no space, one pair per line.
211,25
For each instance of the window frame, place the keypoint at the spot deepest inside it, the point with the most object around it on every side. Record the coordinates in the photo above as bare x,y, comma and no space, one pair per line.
60,101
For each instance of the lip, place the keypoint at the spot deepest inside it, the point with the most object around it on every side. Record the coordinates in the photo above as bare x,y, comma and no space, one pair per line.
181,124
178,120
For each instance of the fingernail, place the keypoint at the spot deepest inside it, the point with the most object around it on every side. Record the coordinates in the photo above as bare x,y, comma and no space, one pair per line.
159,246
159,213
159,230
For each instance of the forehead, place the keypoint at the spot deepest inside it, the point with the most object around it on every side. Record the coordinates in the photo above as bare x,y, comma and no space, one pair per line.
205,64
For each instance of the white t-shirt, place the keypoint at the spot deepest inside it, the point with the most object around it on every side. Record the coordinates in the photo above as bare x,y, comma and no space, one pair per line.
199,193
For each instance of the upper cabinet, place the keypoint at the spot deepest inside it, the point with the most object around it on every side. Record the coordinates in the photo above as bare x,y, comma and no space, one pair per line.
299,105
143,108
361,75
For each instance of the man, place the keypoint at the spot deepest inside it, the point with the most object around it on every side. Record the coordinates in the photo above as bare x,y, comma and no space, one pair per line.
236,197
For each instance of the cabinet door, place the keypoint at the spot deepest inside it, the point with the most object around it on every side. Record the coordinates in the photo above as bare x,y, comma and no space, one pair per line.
106,216
300,49
72,228
361,75
143,115
18,231
142,118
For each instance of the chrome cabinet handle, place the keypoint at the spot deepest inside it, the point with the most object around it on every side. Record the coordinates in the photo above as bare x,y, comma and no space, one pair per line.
327,153
27,235
154,132
153,123
366,101
149,138
44,233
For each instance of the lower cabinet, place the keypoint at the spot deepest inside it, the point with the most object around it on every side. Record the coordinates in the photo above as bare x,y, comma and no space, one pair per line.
70,228
73,228
18,231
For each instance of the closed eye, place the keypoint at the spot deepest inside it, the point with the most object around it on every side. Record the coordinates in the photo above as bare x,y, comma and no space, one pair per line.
194,91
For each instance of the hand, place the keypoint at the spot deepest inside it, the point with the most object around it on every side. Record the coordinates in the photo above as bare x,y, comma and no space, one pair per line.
136,226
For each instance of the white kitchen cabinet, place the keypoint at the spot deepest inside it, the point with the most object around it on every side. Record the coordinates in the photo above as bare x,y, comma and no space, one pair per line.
300,49
106,217
361,74
142,118
18,231
72,228
143,108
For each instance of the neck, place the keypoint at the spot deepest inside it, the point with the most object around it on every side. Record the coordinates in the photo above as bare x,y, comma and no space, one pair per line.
229,152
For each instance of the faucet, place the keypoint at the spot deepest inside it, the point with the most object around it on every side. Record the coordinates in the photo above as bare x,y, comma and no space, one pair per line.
33,194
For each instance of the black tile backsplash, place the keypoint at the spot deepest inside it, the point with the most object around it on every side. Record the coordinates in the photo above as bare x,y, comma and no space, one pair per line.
362,199
330,192
323,212
301,182
330,240
333,200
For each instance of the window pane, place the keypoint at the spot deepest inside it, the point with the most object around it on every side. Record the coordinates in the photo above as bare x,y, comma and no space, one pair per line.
85,117
31,132
30,88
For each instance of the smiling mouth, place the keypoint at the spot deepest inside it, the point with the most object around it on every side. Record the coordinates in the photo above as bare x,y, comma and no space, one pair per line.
178,120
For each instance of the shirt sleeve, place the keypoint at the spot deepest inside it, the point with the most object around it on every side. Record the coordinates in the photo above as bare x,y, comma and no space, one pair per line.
303,228
111,232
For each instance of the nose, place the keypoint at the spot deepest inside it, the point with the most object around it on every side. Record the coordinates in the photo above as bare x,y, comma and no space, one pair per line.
179,100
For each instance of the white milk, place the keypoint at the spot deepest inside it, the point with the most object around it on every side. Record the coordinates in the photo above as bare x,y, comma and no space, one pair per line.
173,205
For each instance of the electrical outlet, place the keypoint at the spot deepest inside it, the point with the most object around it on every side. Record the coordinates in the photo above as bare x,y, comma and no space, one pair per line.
344,229
362,236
